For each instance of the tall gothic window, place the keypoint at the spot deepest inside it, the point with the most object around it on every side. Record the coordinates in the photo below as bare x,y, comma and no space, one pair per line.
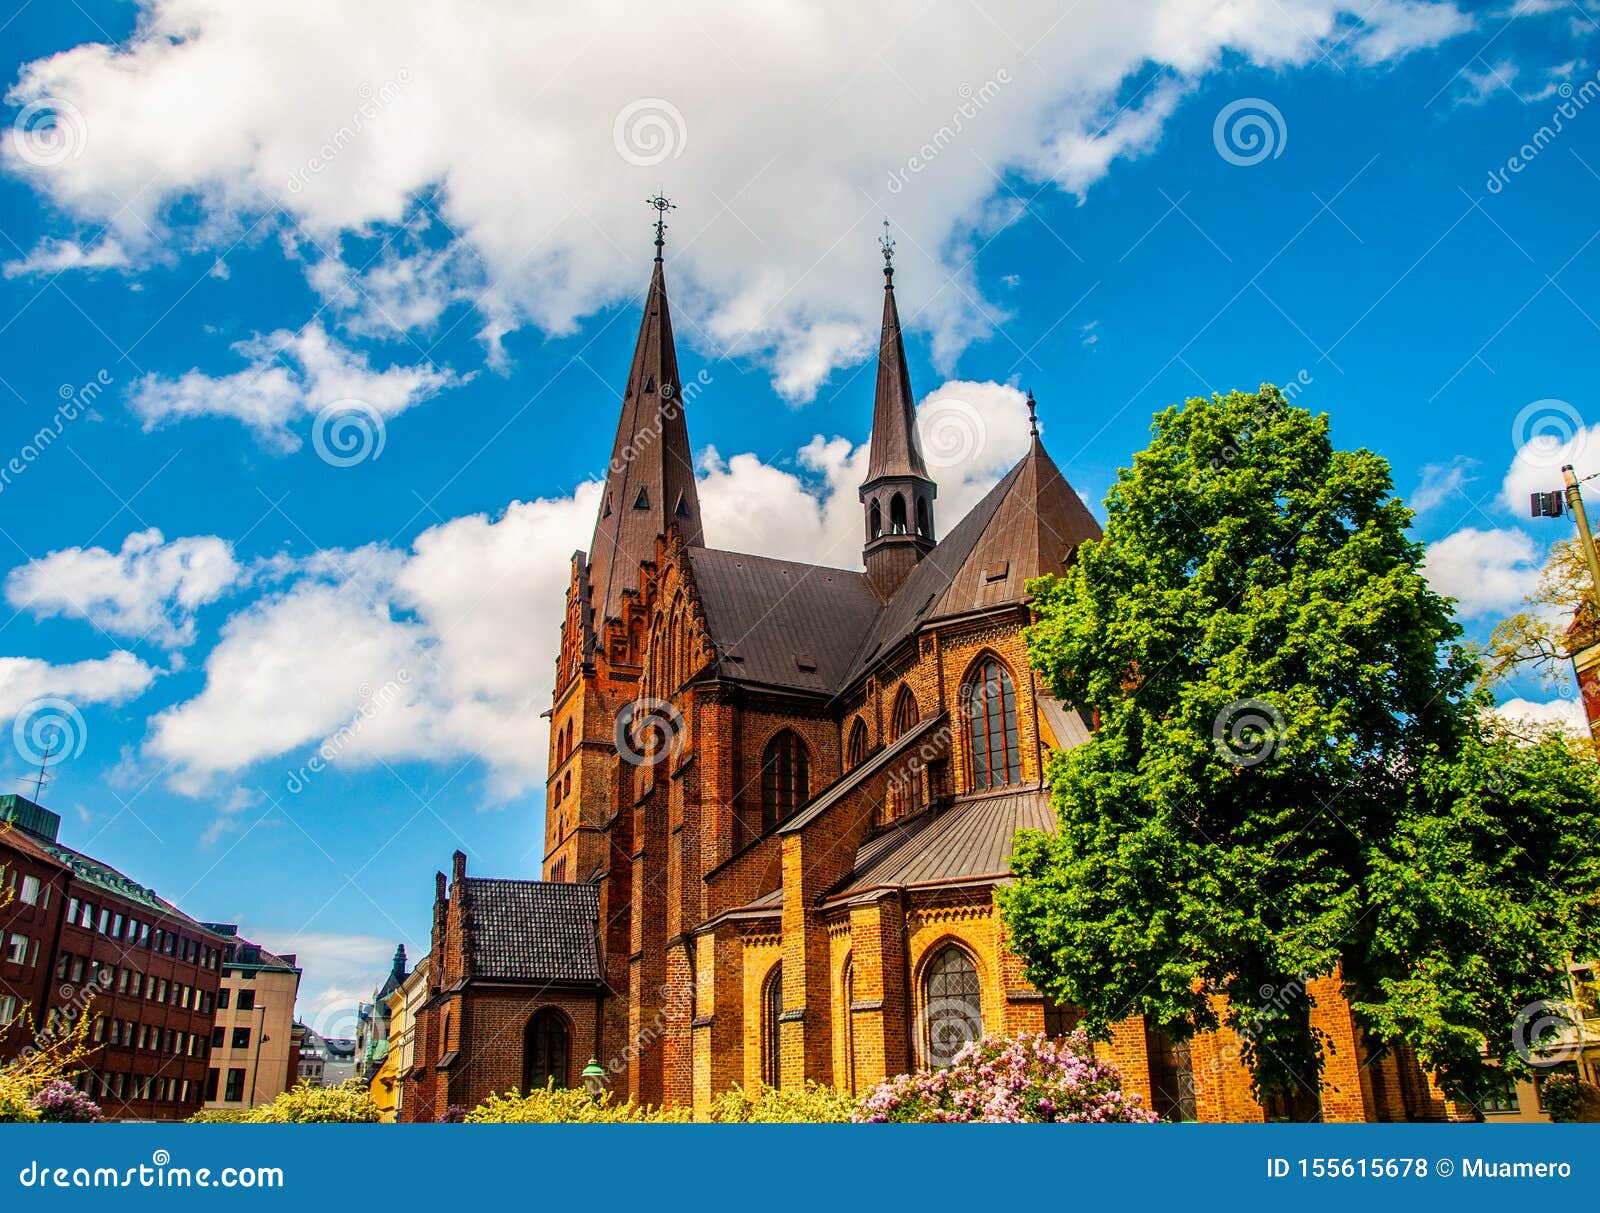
544,1050
952,1005
897,515
858,744
905,788
848,996
785,777
991,707
1171,1074
771,1039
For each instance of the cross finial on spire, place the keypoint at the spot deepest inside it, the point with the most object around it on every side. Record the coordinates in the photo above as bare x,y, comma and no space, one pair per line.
662,207
887,245
1033,415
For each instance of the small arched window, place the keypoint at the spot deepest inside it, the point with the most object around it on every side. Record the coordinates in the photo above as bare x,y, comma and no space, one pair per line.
544,1050
897,515
991,709
859,745
924,528
905,789
771,1036
847,991
952,1005
785,777
874,520
905,712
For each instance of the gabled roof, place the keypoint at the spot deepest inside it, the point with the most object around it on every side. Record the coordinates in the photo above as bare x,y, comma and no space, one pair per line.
533,930
781,623
971,840
1027,525
650,481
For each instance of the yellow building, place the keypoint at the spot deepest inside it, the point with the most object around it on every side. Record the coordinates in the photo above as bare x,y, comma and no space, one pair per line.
253,1057
403,1002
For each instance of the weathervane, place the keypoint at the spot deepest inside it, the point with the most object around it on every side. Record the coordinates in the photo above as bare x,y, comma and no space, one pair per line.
887,245
1033,416
662,207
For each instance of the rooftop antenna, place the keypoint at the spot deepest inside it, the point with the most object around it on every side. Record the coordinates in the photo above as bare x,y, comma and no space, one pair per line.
662,207
43,777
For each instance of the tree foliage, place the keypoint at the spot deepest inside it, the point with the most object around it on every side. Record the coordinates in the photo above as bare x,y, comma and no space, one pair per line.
1535,638
1291,777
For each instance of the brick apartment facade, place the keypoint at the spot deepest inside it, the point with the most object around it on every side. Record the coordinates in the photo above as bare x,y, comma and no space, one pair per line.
794,878
143,972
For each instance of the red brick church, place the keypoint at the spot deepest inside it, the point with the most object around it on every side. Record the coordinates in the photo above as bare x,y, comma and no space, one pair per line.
781,797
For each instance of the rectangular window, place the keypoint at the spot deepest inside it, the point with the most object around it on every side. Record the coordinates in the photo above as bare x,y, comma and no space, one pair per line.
63,963
8,1008
213,1080
222,998
72,909
218,1035
99,1033
30,891
116,926
247,1000
17,949
77,969
241,1038
235,1092
105,921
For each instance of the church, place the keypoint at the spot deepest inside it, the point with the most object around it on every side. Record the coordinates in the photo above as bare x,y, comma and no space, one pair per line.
781,797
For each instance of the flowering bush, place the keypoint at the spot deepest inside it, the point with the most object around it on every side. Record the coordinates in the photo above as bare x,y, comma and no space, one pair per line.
54,1053
555,1105
813,1103
350,1104
58,1102
1026,1078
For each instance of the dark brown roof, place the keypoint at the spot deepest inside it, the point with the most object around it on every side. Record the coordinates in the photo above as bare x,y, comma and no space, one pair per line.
781,623
650,480
1026,526
970,840
533,930
894,450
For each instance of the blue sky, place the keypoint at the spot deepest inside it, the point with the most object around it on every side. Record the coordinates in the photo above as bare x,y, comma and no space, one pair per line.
217,223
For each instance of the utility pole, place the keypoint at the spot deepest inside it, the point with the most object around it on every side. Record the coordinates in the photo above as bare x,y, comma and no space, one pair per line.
1585,535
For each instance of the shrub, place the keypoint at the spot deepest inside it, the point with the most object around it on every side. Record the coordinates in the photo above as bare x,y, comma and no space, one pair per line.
220,1116
350,1104
554,1105
55,1053
1561,1096
58,1102
813,1103
1026,1078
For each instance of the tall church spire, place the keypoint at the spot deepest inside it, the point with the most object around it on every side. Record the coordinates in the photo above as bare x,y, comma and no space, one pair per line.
650,480
898,493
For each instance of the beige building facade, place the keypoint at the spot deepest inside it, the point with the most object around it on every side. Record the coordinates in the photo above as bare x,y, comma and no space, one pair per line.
253,1054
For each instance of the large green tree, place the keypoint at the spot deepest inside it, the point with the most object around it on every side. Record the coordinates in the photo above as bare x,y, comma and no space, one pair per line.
1292,776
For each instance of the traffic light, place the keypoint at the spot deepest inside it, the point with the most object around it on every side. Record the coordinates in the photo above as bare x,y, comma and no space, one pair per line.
1546,505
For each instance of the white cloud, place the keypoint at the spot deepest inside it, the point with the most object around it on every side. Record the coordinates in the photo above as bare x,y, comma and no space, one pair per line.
1486,572
114,679
1555,436
149,590
470,614
1564,714
345,115
1442,481
291,374
337,972
53,256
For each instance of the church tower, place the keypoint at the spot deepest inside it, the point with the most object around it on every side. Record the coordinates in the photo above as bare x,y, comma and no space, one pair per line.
898,494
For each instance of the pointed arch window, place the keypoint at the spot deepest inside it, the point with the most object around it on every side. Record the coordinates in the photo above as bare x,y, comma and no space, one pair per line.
905,789
544,1050
991,710
771,1035
952,1005
874,520
859,745
897,515
785,777
905,712
847,990
924,525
